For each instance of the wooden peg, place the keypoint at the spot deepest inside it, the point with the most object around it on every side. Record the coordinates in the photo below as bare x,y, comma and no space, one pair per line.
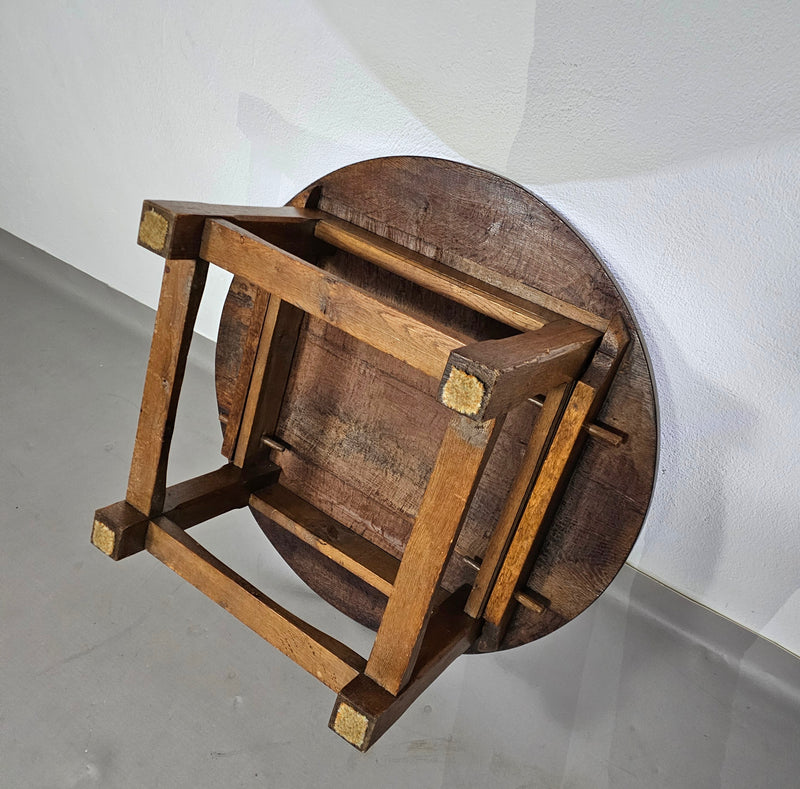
604,433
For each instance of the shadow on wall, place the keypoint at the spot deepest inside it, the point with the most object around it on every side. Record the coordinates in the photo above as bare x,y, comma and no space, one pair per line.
596,91
283,154
706,432
287,155
461,69
690,494
705,255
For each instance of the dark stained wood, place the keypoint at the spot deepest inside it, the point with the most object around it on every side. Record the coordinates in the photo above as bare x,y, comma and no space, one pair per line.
364,710
477,223
233,339
388,426
119,530
363,430
489,378
418,342
327,659
249,346
462,456
181,290
174,229
205,497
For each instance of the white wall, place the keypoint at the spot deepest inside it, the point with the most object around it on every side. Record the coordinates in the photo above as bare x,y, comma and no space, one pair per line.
668,134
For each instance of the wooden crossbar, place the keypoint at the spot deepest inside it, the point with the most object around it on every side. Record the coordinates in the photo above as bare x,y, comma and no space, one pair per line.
542,435
270,375
327,659
455,285
174,229
417,341
348,549
119,530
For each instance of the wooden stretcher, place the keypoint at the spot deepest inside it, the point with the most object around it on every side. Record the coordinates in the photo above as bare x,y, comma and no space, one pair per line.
434,401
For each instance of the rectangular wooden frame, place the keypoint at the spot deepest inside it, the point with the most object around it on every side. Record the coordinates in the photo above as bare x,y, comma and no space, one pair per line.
417,638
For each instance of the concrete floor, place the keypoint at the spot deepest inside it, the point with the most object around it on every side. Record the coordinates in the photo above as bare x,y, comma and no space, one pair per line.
122,675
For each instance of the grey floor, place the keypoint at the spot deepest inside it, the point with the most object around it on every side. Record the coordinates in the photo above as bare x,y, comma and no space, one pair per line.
122,675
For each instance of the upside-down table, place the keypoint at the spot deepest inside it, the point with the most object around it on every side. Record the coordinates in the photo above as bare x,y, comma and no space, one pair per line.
434,401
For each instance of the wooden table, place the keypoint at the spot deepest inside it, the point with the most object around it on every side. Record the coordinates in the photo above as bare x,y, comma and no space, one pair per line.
434,401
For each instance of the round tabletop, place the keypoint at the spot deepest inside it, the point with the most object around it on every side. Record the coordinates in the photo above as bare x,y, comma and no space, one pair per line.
362,429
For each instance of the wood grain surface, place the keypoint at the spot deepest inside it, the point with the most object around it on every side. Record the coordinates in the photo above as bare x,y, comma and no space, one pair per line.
181,290
327,659
459,464
362,428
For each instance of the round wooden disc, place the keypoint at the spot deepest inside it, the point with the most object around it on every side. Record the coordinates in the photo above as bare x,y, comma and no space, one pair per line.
363,429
